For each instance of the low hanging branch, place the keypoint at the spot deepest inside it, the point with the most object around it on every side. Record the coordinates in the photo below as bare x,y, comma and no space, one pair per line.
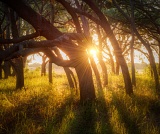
31,47
18,40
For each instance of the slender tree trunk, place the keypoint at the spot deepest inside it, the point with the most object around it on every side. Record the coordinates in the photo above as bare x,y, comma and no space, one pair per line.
132,44
159,60
43,65
69,78
112,64
51,20
0,70
117,67
50,72
104,70
132,61
43,69
96,72
100,58
133,67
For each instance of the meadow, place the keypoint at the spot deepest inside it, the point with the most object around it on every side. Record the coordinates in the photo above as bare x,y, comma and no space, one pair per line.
43,108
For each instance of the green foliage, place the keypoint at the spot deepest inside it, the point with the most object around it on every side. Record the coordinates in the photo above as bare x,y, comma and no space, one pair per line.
54,108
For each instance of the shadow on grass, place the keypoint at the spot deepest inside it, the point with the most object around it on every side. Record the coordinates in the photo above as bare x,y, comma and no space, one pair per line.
147,113
19,114
91,118
126,116
70,117
32,112
152,106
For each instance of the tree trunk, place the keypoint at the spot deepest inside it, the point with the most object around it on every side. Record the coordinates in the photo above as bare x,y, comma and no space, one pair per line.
6,69
43,65
104,70
0,70
69,78
18,67
133,67
132,61
112,64
159,60
96,72
84,73
154,69
50,72
117,67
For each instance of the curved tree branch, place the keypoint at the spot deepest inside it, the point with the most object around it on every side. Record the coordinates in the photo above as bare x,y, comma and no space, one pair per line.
18,40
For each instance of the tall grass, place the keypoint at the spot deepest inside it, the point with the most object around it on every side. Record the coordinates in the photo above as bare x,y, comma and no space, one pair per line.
43,108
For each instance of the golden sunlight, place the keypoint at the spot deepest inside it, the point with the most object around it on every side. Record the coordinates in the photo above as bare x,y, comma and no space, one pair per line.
93,52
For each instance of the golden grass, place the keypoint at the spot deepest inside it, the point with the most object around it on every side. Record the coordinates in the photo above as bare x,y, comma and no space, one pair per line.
46,108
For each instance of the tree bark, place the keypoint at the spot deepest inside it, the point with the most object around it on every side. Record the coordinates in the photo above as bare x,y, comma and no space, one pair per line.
0,70
69,75
117,67
18,67
159,60
43,65
104,70
84,73
6,68
133,66
112,64
50,72
96,72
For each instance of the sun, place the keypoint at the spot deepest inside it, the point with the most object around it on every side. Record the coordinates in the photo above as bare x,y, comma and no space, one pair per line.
93,52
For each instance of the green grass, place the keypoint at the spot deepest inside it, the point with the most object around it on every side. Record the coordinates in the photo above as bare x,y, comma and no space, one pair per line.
43,108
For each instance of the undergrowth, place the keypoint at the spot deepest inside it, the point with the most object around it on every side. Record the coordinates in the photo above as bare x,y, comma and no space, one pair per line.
43,108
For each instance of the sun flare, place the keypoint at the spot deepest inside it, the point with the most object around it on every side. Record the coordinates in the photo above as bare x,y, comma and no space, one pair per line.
93,52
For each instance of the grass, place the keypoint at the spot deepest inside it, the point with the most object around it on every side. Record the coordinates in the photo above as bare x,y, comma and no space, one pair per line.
43,108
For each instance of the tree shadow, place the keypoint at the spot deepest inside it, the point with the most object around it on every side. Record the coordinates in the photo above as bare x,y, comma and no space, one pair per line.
31,110
152,106
91,118
126,116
